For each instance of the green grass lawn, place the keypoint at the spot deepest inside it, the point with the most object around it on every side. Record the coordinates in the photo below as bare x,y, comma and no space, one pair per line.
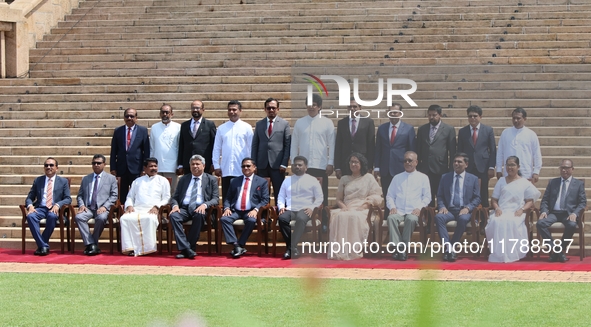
130,300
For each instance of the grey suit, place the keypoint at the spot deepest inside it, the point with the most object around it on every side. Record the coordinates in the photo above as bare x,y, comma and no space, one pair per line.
211,197
271,152
435,157
106,196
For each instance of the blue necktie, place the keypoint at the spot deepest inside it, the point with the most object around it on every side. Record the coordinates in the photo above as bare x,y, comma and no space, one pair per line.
93,203
456,202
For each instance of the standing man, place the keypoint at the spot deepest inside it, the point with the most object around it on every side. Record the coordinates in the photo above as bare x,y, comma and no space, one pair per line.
563,200
523,143
457,197
97,194
233,141
436,146
393,140
140,221
407,195
196,137
354,134
314,138
478,142
247,194
129,148
271,144
298,197
164,144
195,194
47,195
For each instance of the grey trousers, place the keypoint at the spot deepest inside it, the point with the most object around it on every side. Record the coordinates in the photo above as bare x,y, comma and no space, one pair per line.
82,219
410,222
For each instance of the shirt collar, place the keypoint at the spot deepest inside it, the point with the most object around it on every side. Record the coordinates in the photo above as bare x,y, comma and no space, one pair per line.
463,174
397,124
568,179
195,121
477,127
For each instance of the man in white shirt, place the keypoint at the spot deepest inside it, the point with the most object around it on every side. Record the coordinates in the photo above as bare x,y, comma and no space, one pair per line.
298,196
164,144
409,191
313,137
523,143
140,221
233,142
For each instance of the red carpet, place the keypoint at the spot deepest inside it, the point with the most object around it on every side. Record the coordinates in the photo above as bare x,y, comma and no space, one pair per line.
253,261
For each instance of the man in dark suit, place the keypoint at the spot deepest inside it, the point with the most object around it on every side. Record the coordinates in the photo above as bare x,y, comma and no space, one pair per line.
563,200
271,144
436,145
354,134
47,195
193,196
478,142
393,140
197,136
97,193
246,196
129,147
458,195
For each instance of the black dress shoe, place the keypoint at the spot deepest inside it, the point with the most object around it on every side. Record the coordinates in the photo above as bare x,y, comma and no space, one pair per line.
395,256
446,257
452,257
552,257
131,254
561,257
87,249
402,256
189,254
238,251
287,254
38,251
96,249
44,251
295,254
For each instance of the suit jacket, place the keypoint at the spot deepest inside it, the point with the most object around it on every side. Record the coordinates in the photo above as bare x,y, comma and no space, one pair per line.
576,199
202,144
133,159
106,195
363,142
61,192
209,190
259,192
436,157
388,157
484,154
471,188
274,150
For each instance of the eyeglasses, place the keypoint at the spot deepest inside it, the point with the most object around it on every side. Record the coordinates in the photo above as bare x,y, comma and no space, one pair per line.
129,116
270,108
96,163
48,165
472,116
565,167
408,160
246,166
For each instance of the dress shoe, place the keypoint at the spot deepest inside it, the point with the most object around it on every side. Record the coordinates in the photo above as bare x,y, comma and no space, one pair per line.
131,254
44,251
452,257
395,256
87,249
402,256
93,249
295,254
446,256
553,257
238,251
38,251
287,254
561,257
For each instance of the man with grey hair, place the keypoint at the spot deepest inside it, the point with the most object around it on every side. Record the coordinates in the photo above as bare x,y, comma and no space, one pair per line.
194,195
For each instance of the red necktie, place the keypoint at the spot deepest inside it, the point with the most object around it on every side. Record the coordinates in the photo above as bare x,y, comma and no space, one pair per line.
128,137
244,194
474,136
393,135
270,130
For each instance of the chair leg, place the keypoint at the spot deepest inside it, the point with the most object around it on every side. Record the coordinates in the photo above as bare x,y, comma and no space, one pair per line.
73,237
581,243
24,227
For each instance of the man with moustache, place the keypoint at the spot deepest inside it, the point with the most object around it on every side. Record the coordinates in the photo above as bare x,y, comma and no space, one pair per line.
164,144
196,137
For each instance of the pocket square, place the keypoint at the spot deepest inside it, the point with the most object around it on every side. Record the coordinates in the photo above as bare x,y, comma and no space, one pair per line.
258,188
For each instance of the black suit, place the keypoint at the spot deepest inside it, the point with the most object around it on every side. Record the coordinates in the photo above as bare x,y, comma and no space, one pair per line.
211,197
435,157
129,163
482,155
575,200
202,144
363,142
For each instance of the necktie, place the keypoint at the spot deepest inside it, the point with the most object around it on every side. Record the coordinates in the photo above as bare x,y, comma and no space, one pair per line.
244,194
432,133
49,199
194,191
353,127
270,129
474,135
195,128
393,135
456,202
94,192
563,195
128,137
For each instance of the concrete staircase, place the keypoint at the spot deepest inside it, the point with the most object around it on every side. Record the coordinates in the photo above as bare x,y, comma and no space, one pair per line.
109,55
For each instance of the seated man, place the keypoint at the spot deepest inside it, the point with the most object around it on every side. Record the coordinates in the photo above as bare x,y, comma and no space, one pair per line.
139,223
408,192
458,194
563,200
195,193
47,195
97,194
246,196
298,196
